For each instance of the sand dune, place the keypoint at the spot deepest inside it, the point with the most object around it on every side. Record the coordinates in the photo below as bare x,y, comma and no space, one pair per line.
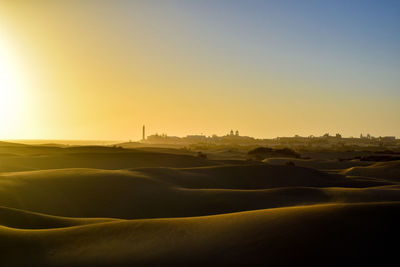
93,206
356,234
41,158
319,164
382,170
252,176
4,144
31,220
166,192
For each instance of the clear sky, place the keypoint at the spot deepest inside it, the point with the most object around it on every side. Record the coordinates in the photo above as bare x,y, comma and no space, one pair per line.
102,69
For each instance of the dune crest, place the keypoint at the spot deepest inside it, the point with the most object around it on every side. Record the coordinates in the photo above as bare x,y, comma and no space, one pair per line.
238,238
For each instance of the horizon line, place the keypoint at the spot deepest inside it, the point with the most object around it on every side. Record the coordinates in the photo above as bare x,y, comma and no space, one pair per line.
208,136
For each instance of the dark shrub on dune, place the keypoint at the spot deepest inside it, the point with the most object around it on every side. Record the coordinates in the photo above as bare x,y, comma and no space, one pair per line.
201,155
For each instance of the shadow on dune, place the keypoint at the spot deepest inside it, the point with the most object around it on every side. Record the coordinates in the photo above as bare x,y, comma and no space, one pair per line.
167,192
338,234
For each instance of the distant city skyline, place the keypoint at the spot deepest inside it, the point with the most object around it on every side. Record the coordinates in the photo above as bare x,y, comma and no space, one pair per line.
236,132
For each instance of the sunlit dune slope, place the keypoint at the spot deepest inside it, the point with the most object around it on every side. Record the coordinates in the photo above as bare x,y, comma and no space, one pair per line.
30,220
166,192
383,170
320,164
24,158
5,145
250,177
339,234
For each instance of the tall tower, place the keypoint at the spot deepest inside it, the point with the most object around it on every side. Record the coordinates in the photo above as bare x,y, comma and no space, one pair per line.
144,133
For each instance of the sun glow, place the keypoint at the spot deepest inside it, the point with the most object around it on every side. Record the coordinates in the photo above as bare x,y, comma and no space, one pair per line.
10,90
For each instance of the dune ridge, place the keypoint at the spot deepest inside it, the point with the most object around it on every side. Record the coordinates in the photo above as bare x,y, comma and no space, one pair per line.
15,158
383,170
22,219
238,238
171,192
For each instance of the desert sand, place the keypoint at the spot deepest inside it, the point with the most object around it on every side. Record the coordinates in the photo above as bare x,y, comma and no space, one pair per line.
110,206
